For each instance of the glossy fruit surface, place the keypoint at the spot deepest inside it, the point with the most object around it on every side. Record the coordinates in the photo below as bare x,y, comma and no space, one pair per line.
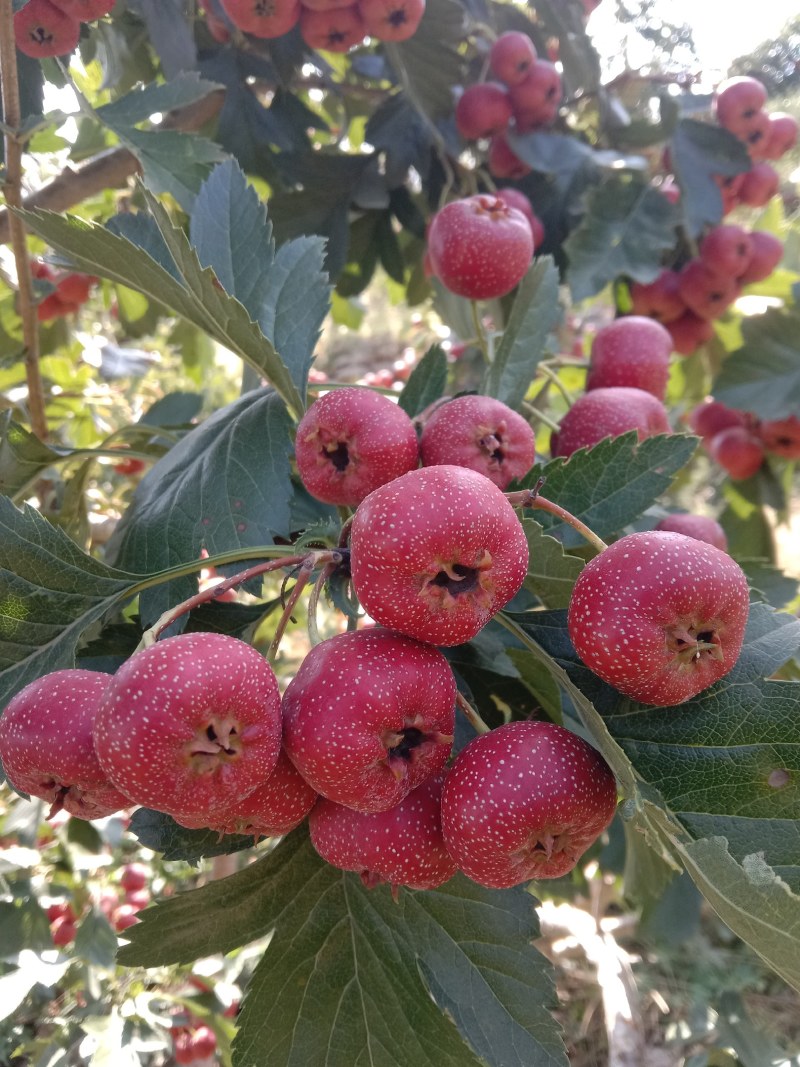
479,247
401,846
350,441
480,433
659,616
524,802
436,553
632,351
369,716
608,412
483,110
701,527
41,29
190,725
511,57
47,748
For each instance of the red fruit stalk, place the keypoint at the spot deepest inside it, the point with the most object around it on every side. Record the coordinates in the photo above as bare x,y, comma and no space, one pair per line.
659,616
524,802
436,553
369,716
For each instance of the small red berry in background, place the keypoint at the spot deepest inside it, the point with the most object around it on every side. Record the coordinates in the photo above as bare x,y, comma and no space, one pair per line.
781,437
701,527
524,802
42,29
738,450
86,10
336,30
633,351
483,110
391,20
608,412
659,616
511,57
517,199
479,247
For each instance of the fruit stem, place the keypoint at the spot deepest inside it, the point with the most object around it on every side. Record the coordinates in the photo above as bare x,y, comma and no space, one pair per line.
529,498
303,577
480,333
313,603
474,719
540,416
551,376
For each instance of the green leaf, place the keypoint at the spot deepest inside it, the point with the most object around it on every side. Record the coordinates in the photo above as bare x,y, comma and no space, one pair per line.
173,409
224,486
612,484
442,978
777,588
141,103
23,456
50,592
627,228
535,313
700,151
95,941
430,63
763,376
551,572
161,833
195,296
426,383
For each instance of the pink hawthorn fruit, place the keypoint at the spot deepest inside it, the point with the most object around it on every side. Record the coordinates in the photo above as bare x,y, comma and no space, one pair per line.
391,20
401,846
64,931
524,802
688,332
738,450
759,185
781,436
711,416
42,29
203,1043
608,412
190,725
767,254
134,876
739,99
503,162
479,247
706,292
535,100
124,916
482,111
350,441
659,616
482,434
661,299
263,18
337,30
369,716
727,249
701,527
782,135
632,351
436,553
46,745
511,57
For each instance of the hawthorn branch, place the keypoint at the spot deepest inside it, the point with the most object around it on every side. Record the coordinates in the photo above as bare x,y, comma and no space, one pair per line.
110,169
12,191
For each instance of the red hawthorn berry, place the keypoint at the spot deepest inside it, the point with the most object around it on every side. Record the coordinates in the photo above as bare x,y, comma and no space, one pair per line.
53,307
182,1050
479,247
759,185
369,716
130,467
704,291
62,909
515,198
436,553
391,20
482,434
782,437
503,162
524,802
191,724
688,332
767,254
739,99
134,876
608,412
659,616
754,132
535,100
701,527
729,188
74,288
483,110
633,351
711,416
727,250
401,846
782,136
263,18
124,916
203,1043
46,744
138,898
41,29
738,451
86,10
511,57
337,30
63,931
350,441
660,300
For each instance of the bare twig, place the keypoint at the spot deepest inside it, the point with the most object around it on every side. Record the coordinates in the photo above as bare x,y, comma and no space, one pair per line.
12,190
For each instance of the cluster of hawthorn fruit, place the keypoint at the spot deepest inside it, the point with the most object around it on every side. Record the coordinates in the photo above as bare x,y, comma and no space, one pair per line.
69,290
361,740
53,27
739,441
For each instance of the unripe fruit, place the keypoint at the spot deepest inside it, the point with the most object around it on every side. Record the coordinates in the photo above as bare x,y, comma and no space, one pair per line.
524,802
337,30
659,616
608,412
738,451
436,553
482,434
191,724
511,57
401,846
86,10
369,716
767,254
660,300
263,18
503,162
391,20
350,441
727,250
782,436
632,351
41,29
47,749
480,248
700,527
482,111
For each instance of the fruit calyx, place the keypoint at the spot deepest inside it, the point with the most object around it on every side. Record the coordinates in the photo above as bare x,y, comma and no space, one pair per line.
689,643
219,742
444,582
406,745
